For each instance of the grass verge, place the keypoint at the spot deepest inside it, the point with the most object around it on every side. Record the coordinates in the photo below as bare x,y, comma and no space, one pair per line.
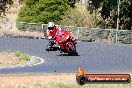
22,56
50,81
9,58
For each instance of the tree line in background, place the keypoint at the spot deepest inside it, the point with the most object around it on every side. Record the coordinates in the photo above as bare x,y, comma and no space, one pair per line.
106,13
63,12
3,6
43,11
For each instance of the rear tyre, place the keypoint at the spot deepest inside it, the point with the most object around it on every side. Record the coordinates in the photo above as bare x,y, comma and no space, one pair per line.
73,50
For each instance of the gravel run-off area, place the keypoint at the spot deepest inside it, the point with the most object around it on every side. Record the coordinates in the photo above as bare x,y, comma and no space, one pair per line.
7,59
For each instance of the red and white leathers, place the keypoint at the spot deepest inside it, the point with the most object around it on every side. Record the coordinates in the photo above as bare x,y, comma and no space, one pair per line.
51,33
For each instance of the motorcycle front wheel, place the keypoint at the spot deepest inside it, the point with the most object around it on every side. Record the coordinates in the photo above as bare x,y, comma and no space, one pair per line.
73,50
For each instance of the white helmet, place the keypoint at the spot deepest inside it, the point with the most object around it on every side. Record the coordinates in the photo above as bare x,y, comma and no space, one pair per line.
51,24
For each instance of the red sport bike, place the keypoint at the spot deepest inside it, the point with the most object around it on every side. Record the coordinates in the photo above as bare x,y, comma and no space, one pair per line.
66,42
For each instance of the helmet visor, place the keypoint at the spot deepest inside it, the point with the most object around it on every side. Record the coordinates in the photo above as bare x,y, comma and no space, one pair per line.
50,28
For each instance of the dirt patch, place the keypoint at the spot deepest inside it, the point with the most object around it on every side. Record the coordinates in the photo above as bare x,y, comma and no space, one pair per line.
35,79
7,59
8,23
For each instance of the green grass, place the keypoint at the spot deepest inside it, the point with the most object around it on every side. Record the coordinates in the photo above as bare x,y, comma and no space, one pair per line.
17,53
22,56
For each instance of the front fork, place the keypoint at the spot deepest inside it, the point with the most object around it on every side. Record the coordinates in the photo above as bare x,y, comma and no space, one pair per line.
64,45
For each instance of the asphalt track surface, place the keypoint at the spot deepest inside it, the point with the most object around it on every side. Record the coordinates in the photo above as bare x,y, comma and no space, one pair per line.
94,57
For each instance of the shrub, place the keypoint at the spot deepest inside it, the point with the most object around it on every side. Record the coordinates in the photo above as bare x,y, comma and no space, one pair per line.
43,11
78,16
22,56
17,53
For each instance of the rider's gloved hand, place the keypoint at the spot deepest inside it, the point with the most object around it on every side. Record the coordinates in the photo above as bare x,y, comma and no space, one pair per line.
52,40
51,43
50,37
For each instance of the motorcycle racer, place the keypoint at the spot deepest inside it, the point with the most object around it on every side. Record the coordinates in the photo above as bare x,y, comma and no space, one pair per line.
51,32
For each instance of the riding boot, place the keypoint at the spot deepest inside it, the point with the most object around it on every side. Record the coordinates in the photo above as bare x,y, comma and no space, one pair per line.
49,46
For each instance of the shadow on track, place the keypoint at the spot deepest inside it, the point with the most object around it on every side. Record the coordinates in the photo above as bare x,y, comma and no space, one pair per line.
65,54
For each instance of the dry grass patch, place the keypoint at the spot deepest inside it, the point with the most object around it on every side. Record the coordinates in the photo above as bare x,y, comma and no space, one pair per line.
59,80
7,59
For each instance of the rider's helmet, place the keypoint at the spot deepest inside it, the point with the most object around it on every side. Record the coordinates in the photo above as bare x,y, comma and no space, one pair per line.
51,26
